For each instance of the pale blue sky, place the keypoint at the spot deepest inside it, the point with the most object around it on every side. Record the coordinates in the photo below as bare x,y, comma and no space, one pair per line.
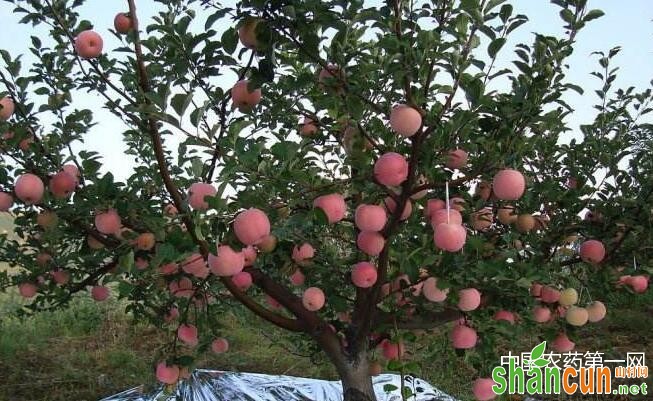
627,23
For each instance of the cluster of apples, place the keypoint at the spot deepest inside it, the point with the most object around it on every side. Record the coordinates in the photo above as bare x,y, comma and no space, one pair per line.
88,44
29,188
564,303
171,373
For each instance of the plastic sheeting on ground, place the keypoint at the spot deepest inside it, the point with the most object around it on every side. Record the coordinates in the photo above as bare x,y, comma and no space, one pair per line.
212,385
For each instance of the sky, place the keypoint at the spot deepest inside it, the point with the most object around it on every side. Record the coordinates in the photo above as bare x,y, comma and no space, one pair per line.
627,23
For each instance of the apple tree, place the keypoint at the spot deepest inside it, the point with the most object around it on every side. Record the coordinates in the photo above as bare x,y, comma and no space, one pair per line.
350,171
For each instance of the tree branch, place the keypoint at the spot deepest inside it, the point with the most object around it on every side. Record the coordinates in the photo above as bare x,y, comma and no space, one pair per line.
250,303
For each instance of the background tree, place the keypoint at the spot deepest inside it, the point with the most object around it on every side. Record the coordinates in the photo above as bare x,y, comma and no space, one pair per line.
368,174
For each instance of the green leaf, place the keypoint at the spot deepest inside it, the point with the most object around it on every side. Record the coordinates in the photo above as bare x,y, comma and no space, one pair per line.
506,12
593,14
180,102
495,46
320,217
388,388
576,88
198,232
229,40
126,261
395,366
538,351
567,15
197,114
216,16
36,42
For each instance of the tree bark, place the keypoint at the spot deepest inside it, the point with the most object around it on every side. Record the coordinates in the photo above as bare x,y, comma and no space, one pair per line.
355,376
356,381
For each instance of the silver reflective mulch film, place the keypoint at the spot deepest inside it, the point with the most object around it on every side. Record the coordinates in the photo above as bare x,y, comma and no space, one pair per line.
213,385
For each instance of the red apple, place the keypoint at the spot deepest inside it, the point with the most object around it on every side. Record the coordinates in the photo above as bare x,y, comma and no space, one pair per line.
562,343
244,99
6,108
541,314
308,127
27,290
505,316
226,262
6,201
108,222
183,288
197,193
247,33
370,217
297,278
509,184
450,237
333,205
536,290
60,277
242,280
170,210
364,275
29,188
145,241
62,185
188,334
167,374
88,44
549,295
370,242
592,251
123,23
457,159
251,226
392,351
313,299
195,265
432,205
100,293
482,389
463,337
301,254
450,216
220,345
639,284
431,291
331,76
391,169
469,299
405,120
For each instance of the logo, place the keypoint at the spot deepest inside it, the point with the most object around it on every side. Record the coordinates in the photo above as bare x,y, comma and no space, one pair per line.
538,373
